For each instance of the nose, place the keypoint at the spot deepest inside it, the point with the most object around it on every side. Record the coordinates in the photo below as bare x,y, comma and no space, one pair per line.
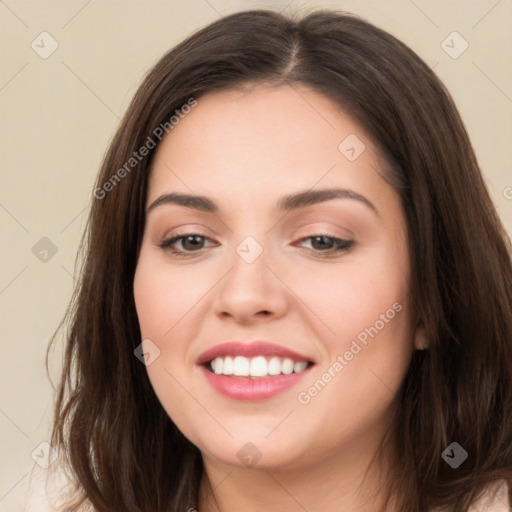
251,292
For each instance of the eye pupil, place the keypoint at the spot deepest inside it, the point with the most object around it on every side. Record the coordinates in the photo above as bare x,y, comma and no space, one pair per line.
195,241
322,244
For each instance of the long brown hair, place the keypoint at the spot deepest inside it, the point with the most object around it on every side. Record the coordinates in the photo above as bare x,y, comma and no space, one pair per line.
122,448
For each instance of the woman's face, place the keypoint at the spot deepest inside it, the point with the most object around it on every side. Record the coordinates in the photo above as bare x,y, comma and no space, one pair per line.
320,277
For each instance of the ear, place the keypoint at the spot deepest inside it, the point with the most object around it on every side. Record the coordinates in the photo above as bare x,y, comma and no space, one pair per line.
420,337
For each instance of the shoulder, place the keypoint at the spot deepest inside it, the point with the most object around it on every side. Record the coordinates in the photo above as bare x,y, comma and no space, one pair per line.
50,490
495,499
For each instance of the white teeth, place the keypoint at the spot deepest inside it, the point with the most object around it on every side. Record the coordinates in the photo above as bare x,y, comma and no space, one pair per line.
229,367
287,366
218,363
258,366
299,366
274,366
241,366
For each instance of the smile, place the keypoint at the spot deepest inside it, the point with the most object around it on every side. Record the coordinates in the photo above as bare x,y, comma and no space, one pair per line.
256,367
253,371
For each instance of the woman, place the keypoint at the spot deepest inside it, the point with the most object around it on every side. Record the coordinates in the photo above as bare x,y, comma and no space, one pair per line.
296,292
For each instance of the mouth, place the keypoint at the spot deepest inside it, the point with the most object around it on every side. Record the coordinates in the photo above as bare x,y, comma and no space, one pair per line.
255,371
259,367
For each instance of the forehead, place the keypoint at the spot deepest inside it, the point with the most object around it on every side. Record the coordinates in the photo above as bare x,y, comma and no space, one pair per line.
249,143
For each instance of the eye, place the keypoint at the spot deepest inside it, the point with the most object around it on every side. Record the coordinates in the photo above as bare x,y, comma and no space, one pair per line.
321,244
190,243
326,244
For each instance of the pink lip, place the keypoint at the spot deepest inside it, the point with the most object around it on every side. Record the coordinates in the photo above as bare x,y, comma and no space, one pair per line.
246,388
235,348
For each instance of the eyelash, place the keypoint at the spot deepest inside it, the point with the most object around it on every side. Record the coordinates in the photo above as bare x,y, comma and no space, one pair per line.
342,245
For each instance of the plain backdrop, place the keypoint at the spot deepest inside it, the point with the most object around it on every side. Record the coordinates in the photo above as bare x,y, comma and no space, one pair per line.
68,71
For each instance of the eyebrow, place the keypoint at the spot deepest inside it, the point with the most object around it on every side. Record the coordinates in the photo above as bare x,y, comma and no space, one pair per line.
285,204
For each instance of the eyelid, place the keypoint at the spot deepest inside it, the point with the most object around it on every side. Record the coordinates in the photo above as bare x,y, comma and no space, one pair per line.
188,228
166,240
317,227
191,231
341,245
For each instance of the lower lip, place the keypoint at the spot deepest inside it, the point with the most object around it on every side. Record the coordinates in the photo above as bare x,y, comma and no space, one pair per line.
260,388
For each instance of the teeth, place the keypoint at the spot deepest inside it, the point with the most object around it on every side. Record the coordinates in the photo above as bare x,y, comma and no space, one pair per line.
228,367
299,366
217,365
287,366
274,366
241,365
258,366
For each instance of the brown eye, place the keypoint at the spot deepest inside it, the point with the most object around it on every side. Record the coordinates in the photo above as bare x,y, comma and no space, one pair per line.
326,244
322,242
190,243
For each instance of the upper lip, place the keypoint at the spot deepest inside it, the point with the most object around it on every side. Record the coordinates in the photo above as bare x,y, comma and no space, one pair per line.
256,348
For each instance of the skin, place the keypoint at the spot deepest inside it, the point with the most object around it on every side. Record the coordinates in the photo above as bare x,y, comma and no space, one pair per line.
245,150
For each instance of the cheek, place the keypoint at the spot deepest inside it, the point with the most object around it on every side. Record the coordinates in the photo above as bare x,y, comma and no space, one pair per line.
351,296
153,300
366,360
150,305
170,304
364,306
163,296
161,301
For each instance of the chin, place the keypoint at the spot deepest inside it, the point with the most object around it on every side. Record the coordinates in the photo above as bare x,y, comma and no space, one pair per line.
255,451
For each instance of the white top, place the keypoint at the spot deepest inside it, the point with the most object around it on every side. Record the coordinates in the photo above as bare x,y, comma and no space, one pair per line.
45,489
42,498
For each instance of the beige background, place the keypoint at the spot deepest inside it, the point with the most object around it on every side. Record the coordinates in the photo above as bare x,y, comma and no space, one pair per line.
58,115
